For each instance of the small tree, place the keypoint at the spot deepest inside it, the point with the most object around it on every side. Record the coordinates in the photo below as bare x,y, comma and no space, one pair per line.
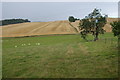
116,30
93,24
71,19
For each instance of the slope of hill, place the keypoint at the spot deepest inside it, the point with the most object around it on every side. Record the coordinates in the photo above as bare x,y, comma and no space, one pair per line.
45,28
108,27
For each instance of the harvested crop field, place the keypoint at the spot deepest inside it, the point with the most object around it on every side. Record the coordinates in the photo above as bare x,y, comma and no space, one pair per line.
45,28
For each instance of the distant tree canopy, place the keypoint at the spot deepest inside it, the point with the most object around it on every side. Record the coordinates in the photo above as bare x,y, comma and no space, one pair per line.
71,19
93,24
13,21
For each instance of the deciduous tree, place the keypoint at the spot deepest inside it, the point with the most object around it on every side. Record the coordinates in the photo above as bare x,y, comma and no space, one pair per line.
93,24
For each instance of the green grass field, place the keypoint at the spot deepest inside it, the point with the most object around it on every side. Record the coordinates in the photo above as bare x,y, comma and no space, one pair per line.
63,56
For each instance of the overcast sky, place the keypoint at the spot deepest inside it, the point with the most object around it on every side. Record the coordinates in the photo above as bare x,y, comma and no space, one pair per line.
51,11
59,0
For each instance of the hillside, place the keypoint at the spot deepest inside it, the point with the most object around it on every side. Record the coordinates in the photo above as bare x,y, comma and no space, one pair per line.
45,28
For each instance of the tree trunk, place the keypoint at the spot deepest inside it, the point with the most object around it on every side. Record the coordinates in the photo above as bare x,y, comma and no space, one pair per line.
118,44
96,34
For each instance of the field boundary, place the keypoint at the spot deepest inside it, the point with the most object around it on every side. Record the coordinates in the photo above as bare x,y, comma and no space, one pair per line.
41,35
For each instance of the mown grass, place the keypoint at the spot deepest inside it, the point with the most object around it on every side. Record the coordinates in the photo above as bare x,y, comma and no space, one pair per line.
64,56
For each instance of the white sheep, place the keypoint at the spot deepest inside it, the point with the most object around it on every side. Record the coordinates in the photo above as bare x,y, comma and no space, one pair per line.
15,46
38,43
29,44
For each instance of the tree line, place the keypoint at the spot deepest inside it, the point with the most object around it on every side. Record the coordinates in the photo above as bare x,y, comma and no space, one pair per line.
13,21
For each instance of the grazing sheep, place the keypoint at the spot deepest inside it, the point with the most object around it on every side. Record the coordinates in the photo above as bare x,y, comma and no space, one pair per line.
23,44
29,44
15,46
38,43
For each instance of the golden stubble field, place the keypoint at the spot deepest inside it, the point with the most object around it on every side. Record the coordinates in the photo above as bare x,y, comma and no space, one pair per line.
45,28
